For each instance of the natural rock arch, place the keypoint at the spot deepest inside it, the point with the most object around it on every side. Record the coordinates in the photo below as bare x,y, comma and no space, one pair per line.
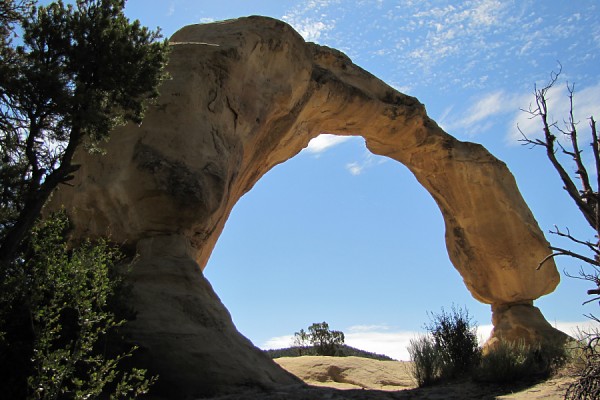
246,95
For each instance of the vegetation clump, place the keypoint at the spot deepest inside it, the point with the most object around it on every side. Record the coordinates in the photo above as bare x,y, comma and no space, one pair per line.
587,368
56,314
448,350
69,74
319,340
508,362
341,351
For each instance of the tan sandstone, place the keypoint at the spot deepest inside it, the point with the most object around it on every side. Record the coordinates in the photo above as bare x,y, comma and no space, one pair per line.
350,372
244,96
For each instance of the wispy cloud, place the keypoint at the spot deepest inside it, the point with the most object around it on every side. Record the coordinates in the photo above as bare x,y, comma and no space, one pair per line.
367,161
368,328
586,103
171,9
392,344
309,20
309,29
493,108
324,142
354,168
278,342
382,339
482,113
461,44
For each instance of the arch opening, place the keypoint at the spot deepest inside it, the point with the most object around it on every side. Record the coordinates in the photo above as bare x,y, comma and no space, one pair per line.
315,240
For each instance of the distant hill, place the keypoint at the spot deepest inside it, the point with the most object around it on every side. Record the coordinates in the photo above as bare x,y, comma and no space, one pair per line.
342,351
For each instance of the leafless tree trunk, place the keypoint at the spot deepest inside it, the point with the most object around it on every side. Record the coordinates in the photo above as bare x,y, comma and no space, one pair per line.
581,188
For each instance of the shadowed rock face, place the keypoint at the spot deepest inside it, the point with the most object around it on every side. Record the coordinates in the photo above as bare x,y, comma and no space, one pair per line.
244,96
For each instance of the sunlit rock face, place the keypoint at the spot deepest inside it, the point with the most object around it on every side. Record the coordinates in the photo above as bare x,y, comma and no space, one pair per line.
244,96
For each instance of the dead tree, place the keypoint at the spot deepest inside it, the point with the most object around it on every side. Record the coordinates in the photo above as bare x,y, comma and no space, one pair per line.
582,188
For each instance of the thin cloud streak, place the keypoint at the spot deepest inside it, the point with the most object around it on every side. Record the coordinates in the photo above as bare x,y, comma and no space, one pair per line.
482,114
369,160
325,141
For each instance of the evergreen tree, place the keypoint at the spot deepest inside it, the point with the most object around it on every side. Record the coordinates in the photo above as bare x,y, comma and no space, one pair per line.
77,72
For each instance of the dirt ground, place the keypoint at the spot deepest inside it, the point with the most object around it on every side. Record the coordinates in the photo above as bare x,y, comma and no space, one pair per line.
351,378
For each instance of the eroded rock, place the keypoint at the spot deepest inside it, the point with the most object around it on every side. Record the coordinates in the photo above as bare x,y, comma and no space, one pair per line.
246,95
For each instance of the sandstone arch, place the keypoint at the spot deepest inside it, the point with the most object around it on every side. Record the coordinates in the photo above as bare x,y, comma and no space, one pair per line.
246,95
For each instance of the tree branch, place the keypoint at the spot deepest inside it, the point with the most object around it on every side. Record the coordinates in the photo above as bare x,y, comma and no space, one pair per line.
596,152
563,252
542,111
593,247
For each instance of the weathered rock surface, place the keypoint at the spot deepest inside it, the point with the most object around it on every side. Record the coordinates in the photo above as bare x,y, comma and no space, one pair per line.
324,374
350,372
246,95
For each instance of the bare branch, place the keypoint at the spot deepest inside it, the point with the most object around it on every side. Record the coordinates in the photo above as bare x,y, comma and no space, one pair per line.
576,153
589,301
592,246
596,152
563,252
586,205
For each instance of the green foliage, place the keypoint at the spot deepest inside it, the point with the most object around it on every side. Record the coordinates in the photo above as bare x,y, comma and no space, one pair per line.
56,316
320,339
454,334
341,351
427,363
508,362
80,71
448,351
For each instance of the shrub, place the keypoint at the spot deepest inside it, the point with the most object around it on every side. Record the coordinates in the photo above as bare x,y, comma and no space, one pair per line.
426,366
507,362
513,361
454,335
587,385
55,310
448,351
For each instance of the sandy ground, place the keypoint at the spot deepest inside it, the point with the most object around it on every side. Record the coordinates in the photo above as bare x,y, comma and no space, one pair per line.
338,378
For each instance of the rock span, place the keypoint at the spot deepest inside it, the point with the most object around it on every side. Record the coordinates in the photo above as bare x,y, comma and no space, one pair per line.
244,96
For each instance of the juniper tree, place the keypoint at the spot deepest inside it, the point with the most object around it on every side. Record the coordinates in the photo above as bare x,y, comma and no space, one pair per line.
73,74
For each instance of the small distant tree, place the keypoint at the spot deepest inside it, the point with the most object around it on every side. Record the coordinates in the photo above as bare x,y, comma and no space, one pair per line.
301,342
320,338
325,340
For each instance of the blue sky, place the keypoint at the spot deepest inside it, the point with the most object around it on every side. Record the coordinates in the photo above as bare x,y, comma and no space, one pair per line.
339,235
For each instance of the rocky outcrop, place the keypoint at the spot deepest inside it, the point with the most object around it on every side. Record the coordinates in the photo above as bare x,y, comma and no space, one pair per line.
244,96
350,372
